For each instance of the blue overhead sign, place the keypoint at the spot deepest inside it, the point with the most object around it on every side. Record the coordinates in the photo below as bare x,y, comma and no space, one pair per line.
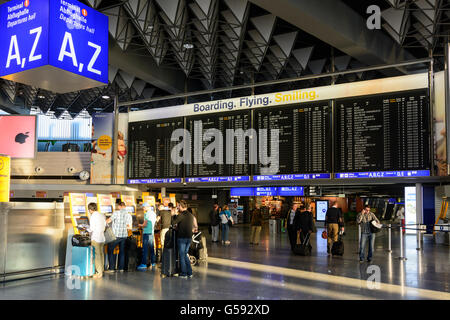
65,39
267,191
152,181
292,177
291,191
383,174
218,179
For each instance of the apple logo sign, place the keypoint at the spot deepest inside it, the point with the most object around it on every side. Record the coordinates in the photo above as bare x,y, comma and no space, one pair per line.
21,137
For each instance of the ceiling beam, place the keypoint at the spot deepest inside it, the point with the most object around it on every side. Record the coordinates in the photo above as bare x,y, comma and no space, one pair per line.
145,68
335,23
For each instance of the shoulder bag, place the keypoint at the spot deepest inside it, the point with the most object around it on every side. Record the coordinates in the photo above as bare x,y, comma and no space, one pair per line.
109,235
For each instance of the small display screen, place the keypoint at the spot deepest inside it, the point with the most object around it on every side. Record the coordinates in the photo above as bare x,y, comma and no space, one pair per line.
106,209
321,209
78,209
131,209
82,221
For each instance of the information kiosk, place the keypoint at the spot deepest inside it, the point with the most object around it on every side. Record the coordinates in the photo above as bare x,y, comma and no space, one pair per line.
105,204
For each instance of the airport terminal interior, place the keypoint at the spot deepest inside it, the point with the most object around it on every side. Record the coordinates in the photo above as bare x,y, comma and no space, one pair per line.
224,150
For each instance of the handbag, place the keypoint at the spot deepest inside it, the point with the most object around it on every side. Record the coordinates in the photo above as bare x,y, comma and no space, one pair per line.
324,234
230,222
109,235
375,227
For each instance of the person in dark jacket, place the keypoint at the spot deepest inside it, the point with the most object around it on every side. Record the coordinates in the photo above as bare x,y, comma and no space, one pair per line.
305,222
333,222
290,225
215,222
166,221
256,224
185,223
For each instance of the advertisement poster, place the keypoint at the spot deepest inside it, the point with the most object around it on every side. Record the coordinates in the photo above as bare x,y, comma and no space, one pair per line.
77,203
102,148
101,152
5,178
18,138
130,203
149,199
440,140
410,208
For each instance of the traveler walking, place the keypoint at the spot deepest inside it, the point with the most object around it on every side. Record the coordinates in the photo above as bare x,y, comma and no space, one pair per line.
333,222
185,223
256,224
225,216
291,227
121,223
215,221
97,226
305,223
148,227
364,219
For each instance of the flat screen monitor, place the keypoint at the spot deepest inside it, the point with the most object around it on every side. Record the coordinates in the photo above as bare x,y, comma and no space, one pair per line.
321,209
18,138
131,209
106,209
78,209
82,221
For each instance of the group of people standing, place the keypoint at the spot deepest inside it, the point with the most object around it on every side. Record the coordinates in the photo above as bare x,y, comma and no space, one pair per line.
299,222
220,219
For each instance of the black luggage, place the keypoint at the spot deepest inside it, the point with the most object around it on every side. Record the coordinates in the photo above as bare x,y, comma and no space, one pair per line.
79,240
304,248
338,247
132,254
170,263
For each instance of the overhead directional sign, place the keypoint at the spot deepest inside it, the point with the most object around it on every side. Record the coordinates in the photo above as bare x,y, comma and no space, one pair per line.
58,45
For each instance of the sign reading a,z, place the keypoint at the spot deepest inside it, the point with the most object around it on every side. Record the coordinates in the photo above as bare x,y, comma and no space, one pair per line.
65,34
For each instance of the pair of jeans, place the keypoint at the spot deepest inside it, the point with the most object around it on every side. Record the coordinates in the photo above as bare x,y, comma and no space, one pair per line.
185,263
148,242
225,229
111,246
366,238
215,233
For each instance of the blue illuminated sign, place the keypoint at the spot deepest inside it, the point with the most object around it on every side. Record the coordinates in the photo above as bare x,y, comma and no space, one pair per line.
291,191
293,177
65,34
266,191
218,179
242,192
150,181
383,174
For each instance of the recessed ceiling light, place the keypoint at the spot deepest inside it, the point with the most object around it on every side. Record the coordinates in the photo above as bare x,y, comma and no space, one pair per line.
150,27
188,45
41,96
106,97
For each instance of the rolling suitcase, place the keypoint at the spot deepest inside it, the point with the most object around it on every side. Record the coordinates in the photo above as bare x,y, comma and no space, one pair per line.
83,258
304,248
131,254
169,265
338,247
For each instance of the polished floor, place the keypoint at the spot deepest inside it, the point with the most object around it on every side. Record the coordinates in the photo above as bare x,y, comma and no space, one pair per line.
269,271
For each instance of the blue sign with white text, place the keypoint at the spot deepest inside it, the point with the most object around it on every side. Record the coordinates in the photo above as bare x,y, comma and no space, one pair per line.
383,174
65,34
23,35
291,191
78,41
293,177
218,179
151,181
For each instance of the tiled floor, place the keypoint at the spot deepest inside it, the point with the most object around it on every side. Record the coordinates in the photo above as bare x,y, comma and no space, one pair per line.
270,271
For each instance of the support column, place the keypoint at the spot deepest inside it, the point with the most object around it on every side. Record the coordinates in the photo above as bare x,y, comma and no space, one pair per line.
114,139
419,213
447,100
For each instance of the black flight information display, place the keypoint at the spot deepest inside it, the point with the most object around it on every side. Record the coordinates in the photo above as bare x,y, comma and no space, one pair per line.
150,149
204,144
304,137
383,132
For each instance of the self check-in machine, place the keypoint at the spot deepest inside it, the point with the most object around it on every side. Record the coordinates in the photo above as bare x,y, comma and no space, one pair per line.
105,204
78,212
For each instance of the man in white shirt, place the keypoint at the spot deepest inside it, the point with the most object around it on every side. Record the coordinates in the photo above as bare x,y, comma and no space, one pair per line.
97,226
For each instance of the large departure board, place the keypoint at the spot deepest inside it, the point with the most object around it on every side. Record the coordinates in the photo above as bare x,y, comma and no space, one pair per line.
383,132
304,137
150,149
203,144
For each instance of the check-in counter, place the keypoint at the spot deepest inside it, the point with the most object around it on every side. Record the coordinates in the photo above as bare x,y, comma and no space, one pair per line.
33,239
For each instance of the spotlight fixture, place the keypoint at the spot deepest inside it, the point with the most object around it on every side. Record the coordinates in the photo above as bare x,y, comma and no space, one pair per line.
41,96
106,97
188,45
